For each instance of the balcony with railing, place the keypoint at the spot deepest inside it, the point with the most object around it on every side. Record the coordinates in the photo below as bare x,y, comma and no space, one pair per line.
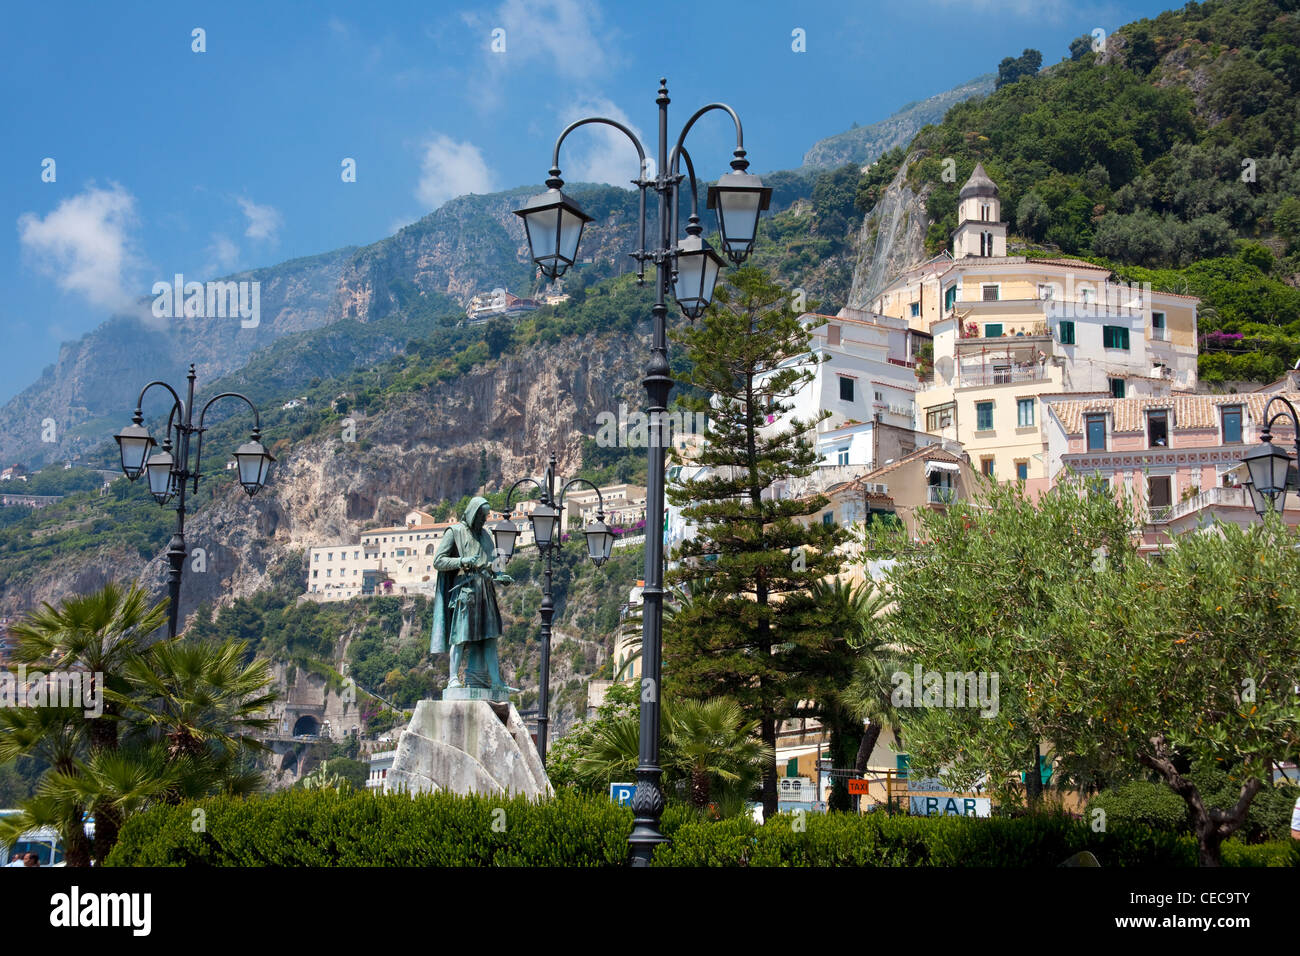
940,494
1231,496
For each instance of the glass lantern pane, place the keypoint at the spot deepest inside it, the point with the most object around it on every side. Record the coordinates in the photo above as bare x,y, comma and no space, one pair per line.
541,232
570,233
738,218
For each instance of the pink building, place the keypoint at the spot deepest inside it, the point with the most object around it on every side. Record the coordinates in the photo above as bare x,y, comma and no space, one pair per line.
1177,458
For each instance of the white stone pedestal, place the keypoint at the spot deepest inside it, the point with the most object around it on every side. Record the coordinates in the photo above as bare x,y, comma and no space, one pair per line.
467,746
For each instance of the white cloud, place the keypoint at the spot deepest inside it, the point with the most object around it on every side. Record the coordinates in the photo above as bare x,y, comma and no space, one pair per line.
223,255
451,169
598,153
83,243
263,221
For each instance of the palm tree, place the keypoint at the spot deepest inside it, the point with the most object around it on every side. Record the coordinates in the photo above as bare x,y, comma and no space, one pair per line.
707,745
57,736
200,697
97,633
710,740
869,694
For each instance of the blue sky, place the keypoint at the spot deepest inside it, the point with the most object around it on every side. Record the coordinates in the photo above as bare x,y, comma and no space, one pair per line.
169,160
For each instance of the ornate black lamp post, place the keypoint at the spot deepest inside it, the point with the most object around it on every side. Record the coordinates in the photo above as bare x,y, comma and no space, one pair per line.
549,535
169,473
1268,465
688,269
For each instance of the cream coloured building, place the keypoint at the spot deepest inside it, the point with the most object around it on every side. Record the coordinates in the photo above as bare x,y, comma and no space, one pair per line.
397,560
1010,333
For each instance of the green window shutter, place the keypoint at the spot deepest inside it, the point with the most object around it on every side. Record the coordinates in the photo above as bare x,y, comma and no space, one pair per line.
1067,332
1123,337
992,330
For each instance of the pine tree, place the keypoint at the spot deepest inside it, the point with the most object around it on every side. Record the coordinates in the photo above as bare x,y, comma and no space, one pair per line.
752,630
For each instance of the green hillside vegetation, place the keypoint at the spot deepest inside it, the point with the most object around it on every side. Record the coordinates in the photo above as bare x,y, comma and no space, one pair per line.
1179,156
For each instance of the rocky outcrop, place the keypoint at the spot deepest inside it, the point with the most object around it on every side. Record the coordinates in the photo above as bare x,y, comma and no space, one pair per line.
891,240
469,244
864,144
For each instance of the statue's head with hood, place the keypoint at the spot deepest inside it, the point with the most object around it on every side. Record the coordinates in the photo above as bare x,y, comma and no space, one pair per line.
476,513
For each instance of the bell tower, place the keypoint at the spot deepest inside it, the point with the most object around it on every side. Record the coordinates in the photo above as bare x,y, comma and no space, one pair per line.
980,230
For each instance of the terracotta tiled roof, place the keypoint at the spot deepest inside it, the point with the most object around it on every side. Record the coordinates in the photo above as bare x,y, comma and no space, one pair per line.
1189,411
927,452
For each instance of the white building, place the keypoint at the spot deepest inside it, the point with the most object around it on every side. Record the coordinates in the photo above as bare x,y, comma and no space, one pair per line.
397,560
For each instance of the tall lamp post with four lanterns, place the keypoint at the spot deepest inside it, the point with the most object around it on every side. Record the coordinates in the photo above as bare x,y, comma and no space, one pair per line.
687,268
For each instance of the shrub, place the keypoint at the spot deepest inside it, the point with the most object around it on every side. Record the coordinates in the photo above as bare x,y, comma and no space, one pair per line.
325,828
1142,802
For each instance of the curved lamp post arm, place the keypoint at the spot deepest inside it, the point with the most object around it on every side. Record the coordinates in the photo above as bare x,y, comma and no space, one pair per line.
600,499
257,429
679,152
511,492
177,404
555,182
739,162
1289,411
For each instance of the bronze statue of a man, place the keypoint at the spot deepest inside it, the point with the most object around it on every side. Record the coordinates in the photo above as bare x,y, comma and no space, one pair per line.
466,620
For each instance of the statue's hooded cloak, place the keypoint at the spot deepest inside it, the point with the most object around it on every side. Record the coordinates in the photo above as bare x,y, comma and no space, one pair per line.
458,541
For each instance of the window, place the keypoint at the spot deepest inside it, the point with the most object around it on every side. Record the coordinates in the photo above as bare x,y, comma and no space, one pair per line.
1116,388
916,309
986,467
1097,485
842,456
880,397
1114,337
992,330
1096,430
315,574
329,556
317,557
1024,413
984,416
1231,424
828,517
989,293
832,335
1159,491
1046,292
1065,332
846,389
1022,471
1157,429
941,416
986,212
949,296
1158,330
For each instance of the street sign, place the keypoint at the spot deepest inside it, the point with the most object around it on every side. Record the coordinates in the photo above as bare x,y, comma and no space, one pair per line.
950,805
859,787
621,793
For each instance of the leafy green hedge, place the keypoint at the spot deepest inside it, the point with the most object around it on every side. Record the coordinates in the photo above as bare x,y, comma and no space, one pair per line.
324,828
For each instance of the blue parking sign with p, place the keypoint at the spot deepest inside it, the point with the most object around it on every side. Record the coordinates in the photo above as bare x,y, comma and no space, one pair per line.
621,793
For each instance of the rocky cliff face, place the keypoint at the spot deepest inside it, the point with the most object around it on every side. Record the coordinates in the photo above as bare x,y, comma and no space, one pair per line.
891,240
468,245
429,447
864,144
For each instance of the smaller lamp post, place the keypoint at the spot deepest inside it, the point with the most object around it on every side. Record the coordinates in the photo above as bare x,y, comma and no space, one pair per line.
549,535
1268,465
169,474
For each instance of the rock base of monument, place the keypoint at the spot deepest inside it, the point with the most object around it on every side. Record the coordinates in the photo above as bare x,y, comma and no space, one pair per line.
467,746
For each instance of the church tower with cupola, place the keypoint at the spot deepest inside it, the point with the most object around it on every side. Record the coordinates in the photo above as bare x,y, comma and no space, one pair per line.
980,230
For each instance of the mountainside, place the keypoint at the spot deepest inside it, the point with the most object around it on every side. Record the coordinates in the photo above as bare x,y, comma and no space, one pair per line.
467,245
863,144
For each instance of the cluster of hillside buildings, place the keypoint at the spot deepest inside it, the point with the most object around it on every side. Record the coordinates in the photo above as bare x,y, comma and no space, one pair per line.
399,559
501,302
1019,369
